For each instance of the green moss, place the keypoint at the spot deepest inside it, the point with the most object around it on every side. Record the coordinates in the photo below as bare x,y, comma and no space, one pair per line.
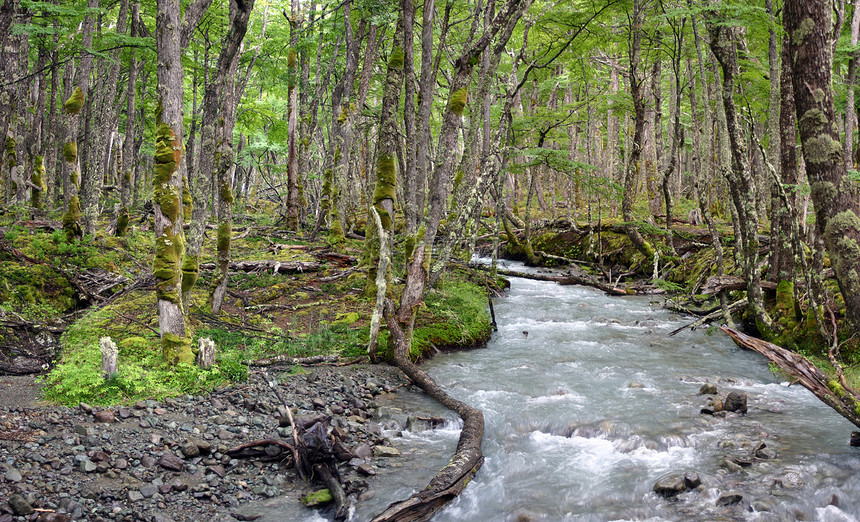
226,194
317,498
347,318
458,178
397,58
75,102
122,222
190,272
38,179
176,350
836,388
72,220
70,152
187,201
169,250
224,234
457,103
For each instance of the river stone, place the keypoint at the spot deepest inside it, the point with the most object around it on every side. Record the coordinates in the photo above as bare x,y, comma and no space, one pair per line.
363,451
148,490
765,453
105,416
13,475
189,449
708,388
20,506
87,466
135,496
385,451
736,401
366,469
730,498
670,485
692,480
171,462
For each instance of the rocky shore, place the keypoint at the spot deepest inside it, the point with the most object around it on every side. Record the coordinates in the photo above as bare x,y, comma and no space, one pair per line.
168,460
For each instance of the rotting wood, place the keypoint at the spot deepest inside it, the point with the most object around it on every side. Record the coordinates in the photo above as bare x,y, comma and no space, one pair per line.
287,360
282,267
846,401
298,447
717,284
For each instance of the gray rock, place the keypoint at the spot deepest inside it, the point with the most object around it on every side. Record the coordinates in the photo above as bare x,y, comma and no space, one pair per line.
86,408
13,475
149,490
366,469
730,498
736,401
708,388
224,434
148,461
20,506
692,479
135,496
87,466
670,485
189,449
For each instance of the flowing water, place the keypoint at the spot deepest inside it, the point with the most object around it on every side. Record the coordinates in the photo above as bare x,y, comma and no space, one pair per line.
588,402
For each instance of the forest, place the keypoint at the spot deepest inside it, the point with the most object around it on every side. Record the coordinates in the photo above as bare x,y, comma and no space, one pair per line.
198,192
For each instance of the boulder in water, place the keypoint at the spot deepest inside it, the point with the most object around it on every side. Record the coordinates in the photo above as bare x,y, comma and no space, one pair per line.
736,401
692,480
708,388
670,485
729,499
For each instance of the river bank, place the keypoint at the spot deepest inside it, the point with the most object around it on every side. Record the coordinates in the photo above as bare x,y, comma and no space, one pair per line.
167,460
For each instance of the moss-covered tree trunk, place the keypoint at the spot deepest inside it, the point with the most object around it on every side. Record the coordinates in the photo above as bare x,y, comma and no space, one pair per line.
386,160
634,164
217,102
71,169
292,207
231,95
837,213
167,188
741,181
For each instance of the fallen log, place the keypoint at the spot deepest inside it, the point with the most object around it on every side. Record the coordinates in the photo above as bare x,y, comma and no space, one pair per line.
717,284
845,401
734,307
282,267
450,481
336,490
289,360
562,280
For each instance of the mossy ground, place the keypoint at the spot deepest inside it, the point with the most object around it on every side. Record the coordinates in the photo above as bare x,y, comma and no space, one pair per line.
263,315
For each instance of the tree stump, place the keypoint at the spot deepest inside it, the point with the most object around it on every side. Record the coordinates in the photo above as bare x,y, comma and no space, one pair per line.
206,353
109,357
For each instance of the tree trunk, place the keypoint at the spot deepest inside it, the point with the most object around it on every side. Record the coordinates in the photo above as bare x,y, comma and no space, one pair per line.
850,114
837,211
229,98
167,185
634,165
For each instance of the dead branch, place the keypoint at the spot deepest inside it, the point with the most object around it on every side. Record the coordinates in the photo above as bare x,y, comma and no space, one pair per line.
282,267
842,399
297,449
734,307
336,490
289,361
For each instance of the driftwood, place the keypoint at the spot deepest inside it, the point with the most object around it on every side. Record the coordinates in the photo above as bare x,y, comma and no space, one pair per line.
844,400
584,280
717,284
450,481
336,490
288,360
282,267
734,307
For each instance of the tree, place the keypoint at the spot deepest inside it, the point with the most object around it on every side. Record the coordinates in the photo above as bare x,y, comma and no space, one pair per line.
808,24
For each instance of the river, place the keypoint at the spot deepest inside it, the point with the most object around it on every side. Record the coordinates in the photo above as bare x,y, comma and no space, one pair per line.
588,402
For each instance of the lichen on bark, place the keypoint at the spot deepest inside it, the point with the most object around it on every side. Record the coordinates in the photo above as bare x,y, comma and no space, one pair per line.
72,220
386,186
38,179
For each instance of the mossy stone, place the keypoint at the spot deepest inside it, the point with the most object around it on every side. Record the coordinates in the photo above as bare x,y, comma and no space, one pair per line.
317,498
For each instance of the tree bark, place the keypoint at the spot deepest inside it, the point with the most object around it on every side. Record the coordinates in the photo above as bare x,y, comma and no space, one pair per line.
837,213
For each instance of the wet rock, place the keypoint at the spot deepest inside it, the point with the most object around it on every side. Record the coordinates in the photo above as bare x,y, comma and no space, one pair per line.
670,485
708,388
366,469
363,451
790,480
635,385
736,401
385,451
692,480
730,465
762,451
20,506
729,499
